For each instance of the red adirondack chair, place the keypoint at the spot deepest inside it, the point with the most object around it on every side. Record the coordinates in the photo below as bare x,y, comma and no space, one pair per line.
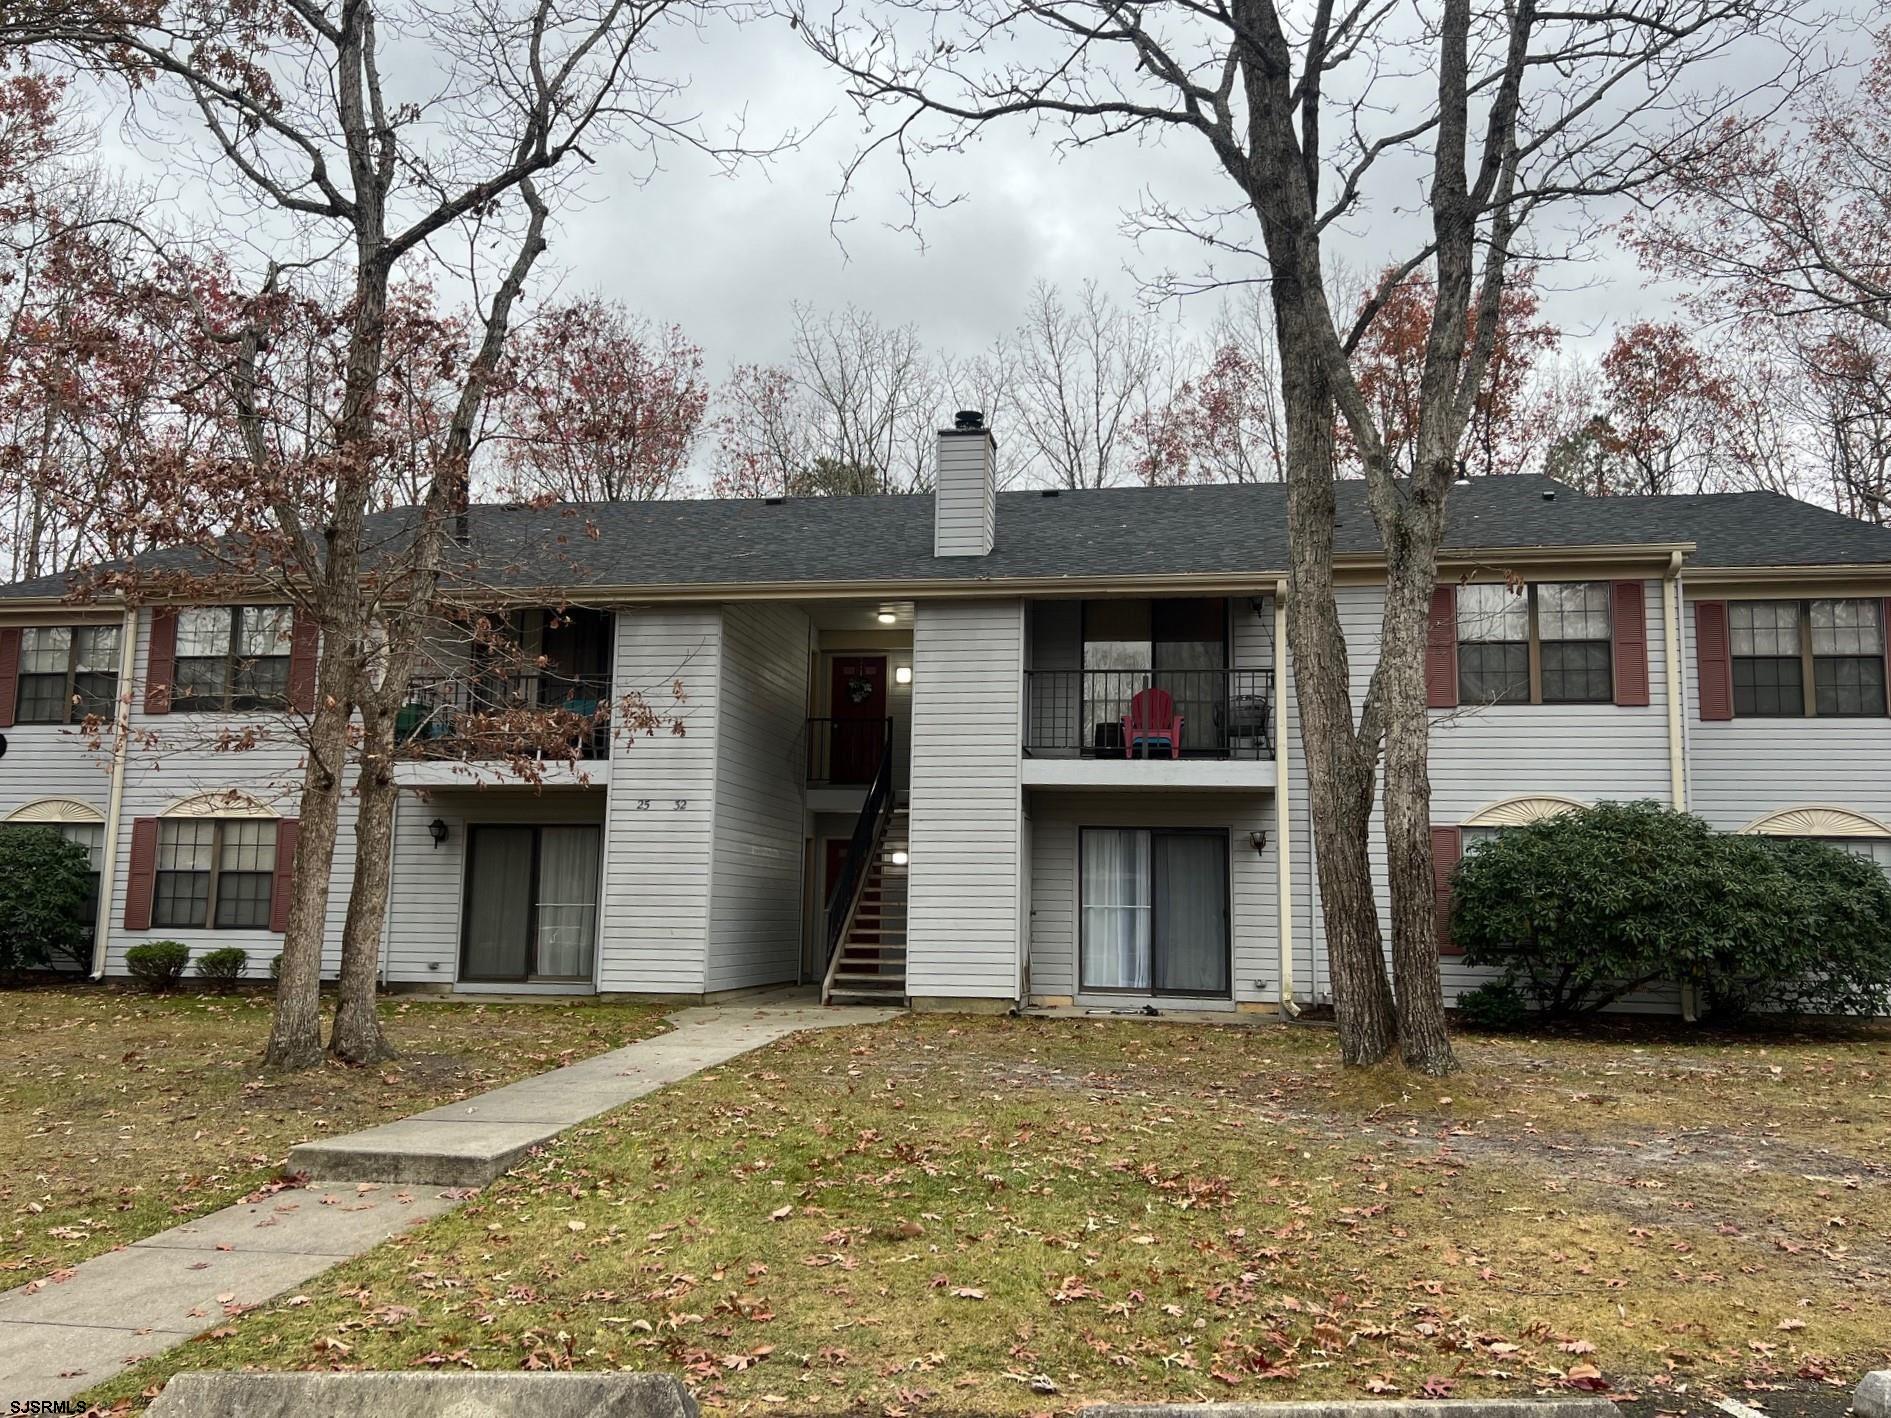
1152,723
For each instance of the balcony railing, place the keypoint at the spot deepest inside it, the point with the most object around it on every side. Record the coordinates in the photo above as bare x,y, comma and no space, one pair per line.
846,752
534,715
1081,713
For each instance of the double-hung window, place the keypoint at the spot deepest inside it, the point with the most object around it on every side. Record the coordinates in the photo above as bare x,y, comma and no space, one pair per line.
214,872
67,673
232,657
1542,644
1792,659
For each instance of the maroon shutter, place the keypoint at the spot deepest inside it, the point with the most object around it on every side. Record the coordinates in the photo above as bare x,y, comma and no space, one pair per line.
287,830
1884,630
9,674
1447,845
1441,650
143,881
1627,603
160,665
302,641
1711,654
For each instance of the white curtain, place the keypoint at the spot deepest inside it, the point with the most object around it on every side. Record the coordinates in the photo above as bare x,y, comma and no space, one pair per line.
567,901
1115,909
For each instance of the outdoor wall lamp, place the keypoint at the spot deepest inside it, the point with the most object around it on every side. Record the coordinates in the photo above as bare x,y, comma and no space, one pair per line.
902,674
1258,841
900,859
886,617
437,830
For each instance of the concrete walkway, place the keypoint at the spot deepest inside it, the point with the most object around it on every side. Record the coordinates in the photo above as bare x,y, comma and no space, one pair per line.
58,1338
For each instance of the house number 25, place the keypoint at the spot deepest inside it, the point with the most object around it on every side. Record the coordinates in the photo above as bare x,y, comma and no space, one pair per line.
676,804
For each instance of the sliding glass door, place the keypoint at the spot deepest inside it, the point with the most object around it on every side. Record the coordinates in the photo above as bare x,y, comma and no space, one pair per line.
531,902
1153,904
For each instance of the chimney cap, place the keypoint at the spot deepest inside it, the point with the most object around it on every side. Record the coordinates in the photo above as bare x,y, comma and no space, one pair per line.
968,420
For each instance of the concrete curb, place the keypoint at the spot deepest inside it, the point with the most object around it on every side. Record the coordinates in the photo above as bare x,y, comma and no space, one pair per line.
1873,1397
425,1395
1594,1407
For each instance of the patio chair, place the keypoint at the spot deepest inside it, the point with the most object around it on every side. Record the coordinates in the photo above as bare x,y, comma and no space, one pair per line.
1152,723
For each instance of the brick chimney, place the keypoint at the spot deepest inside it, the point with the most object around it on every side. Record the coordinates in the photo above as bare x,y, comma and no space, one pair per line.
965,497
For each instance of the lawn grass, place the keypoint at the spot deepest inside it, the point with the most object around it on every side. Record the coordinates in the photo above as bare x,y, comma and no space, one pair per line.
1003,1216
124,1113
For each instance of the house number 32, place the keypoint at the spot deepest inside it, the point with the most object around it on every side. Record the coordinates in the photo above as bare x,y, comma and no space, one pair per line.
676,804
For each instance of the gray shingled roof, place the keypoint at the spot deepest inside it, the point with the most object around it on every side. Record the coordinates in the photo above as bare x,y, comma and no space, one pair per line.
1113,532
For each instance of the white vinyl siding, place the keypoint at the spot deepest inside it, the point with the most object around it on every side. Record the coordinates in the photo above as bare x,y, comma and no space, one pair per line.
965,498
755,910
1740,770
965,893
660,824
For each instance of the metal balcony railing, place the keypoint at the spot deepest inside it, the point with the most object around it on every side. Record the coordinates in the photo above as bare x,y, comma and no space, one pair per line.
1081,713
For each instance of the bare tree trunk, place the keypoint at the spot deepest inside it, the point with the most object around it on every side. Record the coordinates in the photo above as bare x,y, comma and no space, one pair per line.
295,1034
1400,684
1340,761
356,1036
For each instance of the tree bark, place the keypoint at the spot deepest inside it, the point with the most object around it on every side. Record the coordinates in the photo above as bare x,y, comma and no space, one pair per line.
1340,767
1411,571
356,1037
295,1034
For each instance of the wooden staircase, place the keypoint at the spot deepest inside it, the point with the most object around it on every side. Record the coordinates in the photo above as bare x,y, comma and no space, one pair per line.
869,967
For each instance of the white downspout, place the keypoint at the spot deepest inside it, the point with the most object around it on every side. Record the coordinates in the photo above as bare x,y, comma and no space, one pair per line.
115,799
1283,857
1671,610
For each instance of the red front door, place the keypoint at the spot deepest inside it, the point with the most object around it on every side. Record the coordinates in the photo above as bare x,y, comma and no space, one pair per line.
857,705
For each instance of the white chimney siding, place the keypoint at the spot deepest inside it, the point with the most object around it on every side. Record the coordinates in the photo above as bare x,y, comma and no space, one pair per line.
965,498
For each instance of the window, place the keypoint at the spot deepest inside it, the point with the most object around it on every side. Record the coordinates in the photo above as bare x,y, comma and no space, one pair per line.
67,672
1544,644
215,872
1797,658
1872,849
1154,907
232,657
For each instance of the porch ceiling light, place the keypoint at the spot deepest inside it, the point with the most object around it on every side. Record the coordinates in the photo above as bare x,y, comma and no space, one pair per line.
887,617
900,859
903,674
437,830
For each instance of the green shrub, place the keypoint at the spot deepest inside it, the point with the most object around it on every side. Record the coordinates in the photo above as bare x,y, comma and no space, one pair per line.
1497,1006
1585,907
1832,954
224,965
159,964
45,894
275,966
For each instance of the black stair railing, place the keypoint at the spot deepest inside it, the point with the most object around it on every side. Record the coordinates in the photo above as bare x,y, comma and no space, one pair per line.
869,831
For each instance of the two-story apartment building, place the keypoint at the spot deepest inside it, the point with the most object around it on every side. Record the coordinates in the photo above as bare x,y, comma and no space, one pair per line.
972,749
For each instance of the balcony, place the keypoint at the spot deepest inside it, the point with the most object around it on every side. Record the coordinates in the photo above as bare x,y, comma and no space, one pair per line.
539,717
1077,731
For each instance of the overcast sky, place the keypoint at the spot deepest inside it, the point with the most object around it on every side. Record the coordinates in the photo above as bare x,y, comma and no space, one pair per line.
725,256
